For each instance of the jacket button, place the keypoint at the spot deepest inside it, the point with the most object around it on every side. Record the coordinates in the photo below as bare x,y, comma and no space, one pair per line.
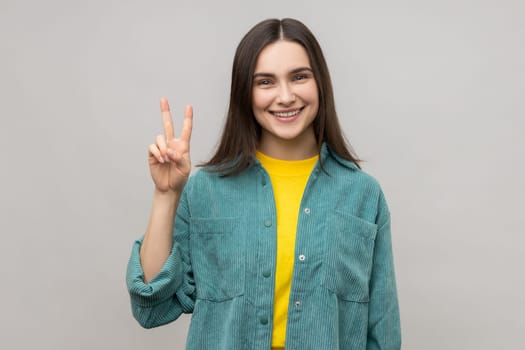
302,257
264,320
267,223
266,274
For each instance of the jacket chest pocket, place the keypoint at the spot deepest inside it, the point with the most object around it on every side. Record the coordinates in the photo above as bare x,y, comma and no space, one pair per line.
349,256
217,249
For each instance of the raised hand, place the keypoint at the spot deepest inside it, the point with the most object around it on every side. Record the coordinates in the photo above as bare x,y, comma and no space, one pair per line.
169,158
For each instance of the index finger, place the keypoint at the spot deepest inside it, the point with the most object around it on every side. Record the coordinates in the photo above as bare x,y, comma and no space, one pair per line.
166,119
187,125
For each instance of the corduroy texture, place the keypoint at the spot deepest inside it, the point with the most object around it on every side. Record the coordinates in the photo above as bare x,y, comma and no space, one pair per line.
343,294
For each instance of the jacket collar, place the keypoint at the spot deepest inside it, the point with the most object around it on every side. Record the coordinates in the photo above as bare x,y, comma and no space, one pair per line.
327,152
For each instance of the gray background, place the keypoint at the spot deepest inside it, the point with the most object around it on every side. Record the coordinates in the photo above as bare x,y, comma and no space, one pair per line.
430,93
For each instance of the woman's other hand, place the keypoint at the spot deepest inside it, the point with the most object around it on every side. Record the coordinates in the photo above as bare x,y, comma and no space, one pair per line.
169,158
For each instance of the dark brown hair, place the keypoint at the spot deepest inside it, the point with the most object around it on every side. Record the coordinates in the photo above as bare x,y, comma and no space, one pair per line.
241,133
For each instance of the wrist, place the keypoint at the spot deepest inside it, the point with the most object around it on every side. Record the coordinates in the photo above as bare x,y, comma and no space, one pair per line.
169,195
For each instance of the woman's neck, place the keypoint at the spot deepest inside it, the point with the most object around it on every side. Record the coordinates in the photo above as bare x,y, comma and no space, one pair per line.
295,149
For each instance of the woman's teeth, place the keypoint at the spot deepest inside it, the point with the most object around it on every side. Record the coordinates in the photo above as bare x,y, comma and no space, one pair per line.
286,114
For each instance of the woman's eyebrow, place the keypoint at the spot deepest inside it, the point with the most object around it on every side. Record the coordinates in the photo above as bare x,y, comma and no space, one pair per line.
271,75
265,75
300,69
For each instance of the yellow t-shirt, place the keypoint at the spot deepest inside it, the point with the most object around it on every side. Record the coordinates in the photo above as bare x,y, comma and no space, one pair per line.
289,180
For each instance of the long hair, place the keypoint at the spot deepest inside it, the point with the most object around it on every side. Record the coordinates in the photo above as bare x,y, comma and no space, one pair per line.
241,133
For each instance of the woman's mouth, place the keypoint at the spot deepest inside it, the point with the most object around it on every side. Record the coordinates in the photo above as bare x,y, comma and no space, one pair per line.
288,114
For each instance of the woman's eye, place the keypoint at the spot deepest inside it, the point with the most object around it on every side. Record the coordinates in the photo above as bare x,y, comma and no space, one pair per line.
264,82
301,76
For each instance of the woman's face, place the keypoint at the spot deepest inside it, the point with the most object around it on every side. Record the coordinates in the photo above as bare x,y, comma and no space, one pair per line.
285,100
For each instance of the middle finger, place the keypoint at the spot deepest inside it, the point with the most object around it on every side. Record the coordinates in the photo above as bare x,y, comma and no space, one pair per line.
167,122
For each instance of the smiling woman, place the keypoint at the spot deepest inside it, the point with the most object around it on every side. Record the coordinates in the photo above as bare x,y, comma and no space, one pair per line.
280,240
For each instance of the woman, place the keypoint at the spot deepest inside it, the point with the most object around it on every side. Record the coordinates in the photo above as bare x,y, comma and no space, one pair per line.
280,240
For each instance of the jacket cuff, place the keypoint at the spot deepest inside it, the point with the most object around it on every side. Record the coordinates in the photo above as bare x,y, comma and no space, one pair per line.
161,287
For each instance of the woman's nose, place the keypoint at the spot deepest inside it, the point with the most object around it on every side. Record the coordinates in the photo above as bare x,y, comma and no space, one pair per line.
286,95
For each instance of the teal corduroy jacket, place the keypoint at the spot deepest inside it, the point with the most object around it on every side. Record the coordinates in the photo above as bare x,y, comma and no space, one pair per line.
222,264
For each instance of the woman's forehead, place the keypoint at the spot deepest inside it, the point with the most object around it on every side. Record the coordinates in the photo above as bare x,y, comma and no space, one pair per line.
282,57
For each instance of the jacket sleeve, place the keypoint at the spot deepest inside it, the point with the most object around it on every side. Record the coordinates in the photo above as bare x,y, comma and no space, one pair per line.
171,292
384,326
